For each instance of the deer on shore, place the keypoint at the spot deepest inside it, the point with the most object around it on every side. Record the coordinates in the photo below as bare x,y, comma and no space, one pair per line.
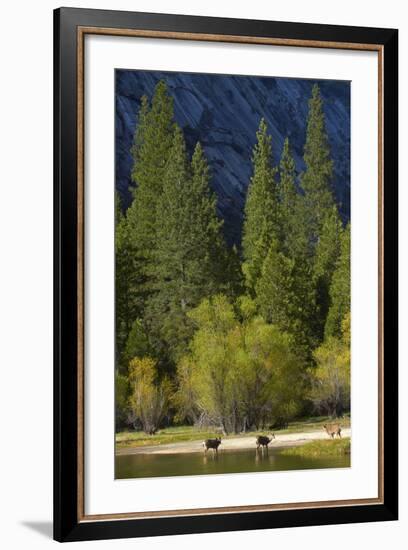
263,441
333,430
212,444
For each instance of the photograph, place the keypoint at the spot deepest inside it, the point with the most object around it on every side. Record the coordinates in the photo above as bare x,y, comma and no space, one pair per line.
225,230
232,273
203,243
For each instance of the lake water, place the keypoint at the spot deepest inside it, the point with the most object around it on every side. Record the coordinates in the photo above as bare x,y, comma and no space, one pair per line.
156,465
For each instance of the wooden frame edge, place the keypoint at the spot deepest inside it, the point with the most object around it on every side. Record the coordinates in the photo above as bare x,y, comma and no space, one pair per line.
381,274
206,37
81,273
224,510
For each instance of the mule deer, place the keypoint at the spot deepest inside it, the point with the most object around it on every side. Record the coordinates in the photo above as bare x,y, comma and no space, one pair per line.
333,430
263,440
212,444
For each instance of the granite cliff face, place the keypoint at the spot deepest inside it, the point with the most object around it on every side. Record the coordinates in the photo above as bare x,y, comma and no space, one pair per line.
223,113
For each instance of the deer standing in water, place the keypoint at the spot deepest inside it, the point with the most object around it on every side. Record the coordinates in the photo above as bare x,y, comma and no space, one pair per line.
333,430
212,444
263,441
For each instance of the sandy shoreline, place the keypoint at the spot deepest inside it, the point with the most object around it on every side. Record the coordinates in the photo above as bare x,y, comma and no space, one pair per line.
234,443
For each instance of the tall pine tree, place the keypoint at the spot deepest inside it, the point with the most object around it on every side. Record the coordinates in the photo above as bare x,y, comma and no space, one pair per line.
151,148
261,216
285,298
287,194
326,256
318,212
275,292
340,289
316,179
138,138
128,283
220,265
293,234
135,237
189,247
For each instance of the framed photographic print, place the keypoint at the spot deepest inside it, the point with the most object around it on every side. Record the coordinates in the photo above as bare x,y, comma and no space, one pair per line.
225,274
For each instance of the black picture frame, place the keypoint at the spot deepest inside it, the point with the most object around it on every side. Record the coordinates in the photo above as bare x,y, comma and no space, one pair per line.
67,523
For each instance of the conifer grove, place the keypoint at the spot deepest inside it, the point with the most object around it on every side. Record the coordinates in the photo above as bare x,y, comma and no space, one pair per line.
240,338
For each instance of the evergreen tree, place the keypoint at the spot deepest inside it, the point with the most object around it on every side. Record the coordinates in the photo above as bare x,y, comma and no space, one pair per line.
275,292
340,289
316,179
187,264
138,138
128,282
288,197
137,344
136,232
285,291
315,231
285,298
151,147
233,279
293,232
326,256
261,220
206,227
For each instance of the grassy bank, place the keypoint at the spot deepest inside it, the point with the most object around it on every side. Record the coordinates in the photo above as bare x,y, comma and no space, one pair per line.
179,434
329,447
176,434
312,424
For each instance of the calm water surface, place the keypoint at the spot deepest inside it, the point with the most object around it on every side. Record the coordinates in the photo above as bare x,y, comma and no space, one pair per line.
155,465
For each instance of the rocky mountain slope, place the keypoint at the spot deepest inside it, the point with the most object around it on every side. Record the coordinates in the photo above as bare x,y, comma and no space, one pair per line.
223,113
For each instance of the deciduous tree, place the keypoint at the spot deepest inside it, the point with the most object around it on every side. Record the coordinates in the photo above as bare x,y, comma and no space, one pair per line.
240,373
331,377
149,397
